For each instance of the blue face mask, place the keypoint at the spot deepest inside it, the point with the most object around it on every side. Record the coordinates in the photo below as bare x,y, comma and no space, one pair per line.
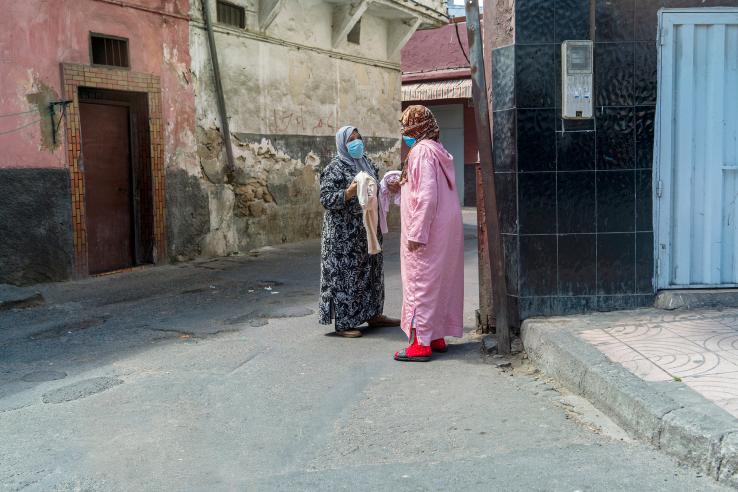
356,148
409,141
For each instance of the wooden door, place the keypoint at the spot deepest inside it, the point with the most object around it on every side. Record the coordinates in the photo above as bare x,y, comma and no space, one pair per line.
106,157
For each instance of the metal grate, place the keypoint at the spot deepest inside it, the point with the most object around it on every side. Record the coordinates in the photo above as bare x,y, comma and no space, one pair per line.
231,15
108,50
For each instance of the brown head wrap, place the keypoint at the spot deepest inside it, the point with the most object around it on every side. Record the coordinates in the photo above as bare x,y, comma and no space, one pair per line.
419,123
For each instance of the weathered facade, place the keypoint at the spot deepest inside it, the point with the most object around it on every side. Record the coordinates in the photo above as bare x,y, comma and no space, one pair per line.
50,228
292,75
580,200
113,150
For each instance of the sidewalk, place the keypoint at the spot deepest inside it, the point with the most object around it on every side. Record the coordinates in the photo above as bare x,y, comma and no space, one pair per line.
668,377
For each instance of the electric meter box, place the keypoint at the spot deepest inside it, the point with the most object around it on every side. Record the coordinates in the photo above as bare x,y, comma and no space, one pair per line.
576,84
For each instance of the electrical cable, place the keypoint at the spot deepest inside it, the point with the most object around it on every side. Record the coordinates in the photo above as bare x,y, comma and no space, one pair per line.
458,38
7,132
7,115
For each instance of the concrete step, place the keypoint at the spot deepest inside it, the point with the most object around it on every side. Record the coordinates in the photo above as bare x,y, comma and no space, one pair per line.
696,299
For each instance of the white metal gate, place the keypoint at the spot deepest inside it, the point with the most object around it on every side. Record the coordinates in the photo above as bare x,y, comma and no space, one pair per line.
696,165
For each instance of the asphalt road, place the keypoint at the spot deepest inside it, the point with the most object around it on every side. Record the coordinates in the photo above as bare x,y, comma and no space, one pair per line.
214,375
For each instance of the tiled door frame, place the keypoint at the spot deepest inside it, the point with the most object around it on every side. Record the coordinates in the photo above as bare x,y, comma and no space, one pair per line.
76,76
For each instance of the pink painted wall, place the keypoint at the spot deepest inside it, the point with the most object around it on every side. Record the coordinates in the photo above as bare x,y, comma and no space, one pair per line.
38,35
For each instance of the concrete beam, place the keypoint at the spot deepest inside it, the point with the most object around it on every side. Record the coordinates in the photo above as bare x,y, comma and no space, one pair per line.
399,34
268,10
344,19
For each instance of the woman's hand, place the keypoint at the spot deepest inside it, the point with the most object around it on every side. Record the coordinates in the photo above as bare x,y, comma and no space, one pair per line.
350,191
394,187
412,246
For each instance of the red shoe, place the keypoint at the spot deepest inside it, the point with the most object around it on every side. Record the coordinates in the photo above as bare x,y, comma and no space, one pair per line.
415,352
439,345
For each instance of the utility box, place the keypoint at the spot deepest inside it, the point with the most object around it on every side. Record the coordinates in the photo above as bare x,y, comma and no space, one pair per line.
576,84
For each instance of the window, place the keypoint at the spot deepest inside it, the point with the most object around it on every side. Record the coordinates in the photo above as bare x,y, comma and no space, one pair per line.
109,50
231,15
354,36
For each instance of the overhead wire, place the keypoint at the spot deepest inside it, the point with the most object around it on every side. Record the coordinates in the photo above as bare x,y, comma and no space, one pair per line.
7,132
7,115
461,45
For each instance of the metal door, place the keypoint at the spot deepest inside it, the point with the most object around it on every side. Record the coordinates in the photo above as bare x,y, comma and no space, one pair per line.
450,118
106,157
696,168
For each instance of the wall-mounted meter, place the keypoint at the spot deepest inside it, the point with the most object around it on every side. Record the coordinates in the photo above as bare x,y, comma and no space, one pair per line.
576,85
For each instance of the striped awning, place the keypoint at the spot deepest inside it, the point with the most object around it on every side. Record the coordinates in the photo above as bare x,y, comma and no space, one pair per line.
441,89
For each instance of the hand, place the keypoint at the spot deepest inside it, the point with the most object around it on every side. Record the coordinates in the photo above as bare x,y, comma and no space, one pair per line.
412,246
394,187
350,191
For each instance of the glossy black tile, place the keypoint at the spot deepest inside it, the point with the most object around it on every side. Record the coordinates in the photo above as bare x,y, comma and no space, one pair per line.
503,78
645,124
577,264
575,151
538,265
576,202
507,201
619,302
644,200
646,55
616,263
504,146
535,75
534,21
614,72
614,20
644,263
575,125
616,201
512,262
615,138
572,19
536,140
537,203
647,19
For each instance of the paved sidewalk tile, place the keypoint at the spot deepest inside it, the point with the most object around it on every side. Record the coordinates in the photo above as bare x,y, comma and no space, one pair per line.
699,348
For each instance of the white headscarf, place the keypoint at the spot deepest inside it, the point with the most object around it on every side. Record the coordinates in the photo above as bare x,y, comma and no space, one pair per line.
360,164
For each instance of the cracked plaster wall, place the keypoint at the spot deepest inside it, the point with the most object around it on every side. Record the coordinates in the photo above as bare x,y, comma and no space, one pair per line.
285,105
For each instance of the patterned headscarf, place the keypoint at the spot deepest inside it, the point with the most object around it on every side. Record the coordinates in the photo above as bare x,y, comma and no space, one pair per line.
419,123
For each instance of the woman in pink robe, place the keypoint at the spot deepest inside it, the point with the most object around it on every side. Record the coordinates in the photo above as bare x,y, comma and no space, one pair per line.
432,241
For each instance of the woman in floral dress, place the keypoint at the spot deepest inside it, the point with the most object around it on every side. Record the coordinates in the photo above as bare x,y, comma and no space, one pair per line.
351,280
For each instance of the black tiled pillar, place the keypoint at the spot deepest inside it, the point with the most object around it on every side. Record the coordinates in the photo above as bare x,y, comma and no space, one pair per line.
575,196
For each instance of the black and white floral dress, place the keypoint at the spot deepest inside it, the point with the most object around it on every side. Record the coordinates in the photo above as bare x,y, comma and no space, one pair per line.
351,280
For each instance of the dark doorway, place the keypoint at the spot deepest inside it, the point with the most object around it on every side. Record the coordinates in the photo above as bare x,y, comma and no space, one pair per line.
117,167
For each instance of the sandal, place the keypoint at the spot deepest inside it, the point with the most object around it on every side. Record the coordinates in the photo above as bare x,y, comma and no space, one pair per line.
414,352
439,345
352,333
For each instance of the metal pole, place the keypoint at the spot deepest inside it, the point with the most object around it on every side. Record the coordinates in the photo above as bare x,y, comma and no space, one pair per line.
494,239
230,162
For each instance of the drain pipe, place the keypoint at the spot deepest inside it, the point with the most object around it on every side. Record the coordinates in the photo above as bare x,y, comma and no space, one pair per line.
225,129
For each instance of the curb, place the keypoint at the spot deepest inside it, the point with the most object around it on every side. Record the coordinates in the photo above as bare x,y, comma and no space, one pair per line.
669,415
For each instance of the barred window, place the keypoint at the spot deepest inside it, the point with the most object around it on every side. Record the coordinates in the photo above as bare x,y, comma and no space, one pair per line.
109,50
231,15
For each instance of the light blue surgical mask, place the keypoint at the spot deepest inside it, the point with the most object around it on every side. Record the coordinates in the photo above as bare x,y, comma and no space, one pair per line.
409,141
356,148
